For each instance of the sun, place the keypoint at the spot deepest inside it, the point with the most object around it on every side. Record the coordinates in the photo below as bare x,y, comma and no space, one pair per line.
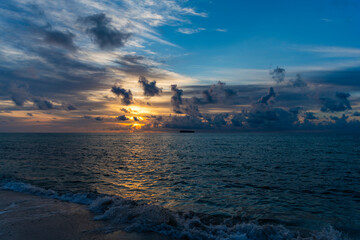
137,125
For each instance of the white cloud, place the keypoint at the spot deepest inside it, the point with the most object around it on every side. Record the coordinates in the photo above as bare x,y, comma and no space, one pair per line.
331,51
140,17
190,30
326,20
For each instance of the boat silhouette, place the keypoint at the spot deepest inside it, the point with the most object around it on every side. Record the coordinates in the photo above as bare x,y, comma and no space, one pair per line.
186,131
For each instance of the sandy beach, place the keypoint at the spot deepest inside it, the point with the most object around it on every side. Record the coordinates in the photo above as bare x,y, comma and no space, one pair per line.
24,216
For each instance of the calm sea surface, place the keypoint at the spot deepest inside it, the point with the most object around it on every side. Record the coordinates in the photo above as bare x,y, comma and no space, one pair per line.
303,181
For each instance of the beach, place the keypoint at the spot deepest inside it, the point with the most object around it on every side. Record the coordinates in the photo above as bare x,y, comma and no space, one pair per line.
24,216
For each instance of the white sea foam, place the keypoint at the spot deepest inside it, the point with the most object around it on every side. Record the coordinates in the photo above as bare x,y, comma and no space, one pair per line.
133,216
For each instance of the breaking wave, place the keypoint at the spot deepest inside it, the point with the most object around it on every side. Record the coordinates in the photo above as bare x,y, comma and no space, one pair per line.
133,216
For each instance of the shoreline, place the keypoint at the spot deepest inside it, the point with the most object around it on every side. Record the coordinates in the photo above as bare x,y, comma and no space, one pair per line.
25,216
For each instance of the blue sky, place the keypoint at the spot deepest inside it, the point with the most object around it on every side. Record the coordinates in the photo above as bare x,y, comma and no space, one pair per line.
156,65
264,34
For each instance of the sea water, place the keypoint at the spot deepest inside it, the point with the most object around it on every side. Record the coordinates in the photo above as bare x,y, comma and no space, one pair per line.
197,185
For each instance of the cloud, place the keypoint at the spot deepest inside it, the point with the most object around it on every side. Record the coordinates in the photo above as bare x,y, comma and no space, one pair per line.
221,30
187,105
127,97
190,107
133,64
309,116
217,93
42,104
267,97
98,119
356,114
332,51
150,88
278,74
122,118
190,30
176,99
265,118
70,107
261,116
344,77
101,31
341,103
124,110
326,20
136,119
18,92
184,122
340,121
191,11
62,39
298,82
53,74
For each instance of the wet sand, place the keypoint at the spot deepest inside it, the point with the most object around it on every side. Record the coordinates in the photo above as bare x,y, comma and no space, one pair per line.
24,216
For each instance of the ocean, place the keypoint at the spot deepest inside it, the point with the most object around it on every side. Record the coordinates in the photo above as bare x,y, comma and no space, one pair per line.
197,185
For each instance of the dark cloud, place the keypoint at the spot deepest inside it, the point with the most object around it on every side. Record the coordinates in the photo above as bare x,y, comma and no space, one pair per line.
190,107
309,116
62,39
265,99
103,33
341,77
356,114
98,118
176,99
278,74
298,82
261,116
53,74
127,97
217,93
29,114
61,60
42,104
268,118
184,122
18,92
135,119
180,105
124,110
150,88
342,122
295,110
340,103
133,64
223,96
70,107
122,118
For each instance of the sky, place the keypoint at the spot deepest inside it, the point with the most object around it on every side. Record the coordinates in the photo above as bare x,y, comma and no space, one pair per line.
151,65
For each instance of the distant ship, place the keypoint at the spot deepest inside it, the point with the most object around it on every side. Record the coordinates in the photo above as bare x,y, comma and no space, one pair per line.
186,131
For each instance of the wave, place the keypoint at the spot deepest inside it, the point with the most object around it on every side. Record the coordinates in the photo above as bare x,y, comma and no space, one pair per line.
133,216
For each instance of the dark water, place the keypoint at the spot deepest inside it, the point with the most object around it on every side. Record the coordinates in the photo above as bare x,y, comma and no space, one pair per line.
303,181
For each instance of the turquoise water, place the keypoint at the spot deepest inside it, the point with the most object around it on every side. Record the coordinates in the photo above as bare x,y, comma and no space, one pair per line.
305,182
